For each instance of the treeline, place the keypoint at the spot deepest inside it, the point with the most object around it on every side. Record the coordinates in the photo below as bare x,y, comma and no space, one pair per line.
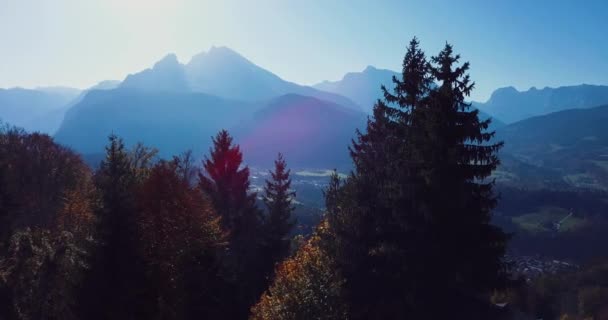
406,235
138,238
578,295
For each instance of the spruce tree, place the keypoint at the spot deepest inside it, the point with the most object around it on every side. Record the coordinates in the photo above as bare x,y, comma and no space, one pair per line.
226,183
459,156
117,274
410,226
278,200
375,230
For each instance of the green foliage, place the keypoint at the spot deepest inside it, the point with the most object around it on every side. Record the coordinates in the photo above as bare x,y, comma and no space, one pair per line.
41,274
116,281
410,227
278,198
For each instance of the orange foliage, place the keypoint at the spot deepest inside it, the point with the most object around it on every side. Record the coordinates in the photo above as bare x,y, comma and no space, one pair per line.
306,286
176,225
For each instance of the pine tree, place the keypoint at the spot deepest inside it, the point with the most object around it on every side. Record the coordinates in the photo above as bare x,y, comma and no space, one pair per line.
226,183
118,272
410,227
278,200
372,213
459,157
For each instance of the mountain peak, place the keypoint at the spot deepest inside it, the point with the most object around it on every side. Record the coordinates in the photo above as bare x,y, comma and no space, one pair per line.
168,61
220,54
369,69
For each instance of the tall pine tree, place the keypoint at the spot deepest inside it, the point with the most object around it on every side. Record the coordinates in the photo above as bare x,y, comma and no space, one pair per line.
226,182
279,221
410,227
117,275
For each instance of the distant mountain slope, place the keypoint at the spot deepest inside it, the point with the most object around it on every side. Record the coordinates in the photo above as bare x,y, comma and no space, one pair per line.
571,142
310,132
166,75
362,87
35,109
511,105
224,73
172,121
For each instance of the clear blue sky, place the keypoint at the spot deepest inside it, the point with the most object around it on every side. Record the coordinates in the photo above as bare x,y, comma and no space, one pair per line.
520,43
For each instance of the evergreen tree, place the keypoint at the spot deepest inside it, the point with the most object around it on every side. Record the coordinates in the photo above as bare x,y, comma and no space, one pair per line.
117,278
226,183
410,227
457,196
278,200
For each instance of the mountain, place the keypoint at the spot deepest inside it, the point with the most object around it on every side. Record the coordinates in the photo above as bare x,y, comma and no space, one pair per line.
361,87
511,105
166,75
171,121
35,109
68,93
573,143
311,133
225,73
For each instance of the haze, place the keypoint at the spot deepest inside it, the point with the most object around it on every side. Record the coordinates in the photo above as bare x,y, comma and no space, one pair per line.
78,43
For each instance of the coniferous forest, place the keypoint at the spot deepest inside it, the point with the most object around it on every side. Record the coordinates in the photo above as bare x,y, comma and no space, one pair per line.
409,232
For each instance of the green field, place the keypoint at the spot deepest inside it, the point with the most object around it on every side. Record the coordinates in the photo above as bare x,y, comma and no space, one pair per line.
542,220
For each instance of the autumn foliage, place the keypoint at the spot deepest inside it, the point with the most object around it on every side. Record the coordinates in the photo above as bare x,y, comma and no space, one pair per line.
306,286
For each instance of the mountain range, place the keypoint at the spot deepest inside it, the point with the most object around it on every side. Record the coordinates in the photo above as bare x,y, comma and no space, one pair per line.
510,105
39,109
176,107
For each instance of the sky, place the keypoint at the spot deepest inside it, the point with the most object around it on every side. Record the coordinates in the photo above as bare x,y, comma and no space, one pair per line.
516,43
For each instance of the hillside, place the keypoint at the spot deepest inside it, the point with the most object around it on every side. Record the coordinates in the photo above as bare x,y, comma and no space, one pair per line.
511,105
573,143
311,133
35,109
171,121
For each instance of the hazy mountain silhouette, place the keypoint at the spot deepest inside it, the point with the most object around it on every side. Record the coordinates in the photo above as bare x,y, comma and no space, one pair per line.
225,73
67,92
172,121
35,109
308,131
511,105
166,75
362,87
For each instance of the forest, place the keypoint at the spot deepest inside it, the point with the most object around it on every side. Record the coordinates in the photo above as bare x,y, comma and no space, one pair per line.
409,233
